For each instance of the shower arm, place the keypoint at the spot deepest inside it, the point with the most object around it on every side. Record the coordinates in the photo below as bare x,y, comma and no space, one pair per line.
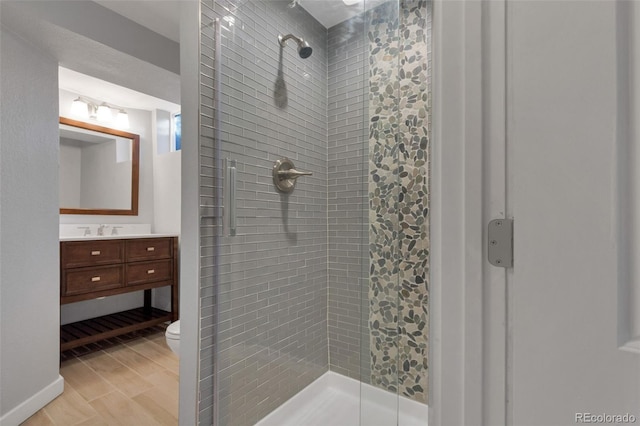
283,39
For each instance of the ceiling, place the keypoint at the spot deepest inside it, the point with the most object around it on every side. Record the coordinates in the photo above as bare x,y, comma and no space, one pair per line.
80,36
332,12
163,16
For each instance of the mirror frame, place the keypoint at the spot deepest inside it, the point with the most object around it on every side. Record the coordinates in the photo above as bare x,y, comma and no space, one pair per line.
135,169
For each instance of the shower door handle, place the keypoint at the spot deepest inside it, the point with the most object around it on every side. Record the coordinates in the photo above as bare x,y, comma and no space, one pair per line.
231,196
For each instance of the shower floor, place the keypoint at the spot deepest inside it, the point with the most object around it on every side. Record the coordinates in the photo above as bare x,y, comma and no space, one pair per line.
337,400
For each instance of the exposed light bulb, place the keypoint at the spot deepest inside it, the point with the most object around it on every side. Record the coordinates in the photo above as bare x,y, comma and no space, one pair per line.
122,119
80,108
104,113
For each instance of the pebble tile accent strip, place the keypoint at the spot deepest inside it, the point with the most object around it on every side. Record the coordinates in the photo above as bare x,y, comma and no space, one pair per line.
399,110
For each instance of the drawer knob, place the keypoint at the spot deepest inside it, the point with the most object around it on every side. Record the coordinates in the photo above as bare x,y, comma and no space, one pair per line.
95,253
151,271
151,249
94,279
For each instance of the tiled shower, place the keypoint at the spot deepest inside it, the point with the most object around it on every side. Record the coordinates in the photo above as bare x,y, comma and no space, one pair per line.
333,276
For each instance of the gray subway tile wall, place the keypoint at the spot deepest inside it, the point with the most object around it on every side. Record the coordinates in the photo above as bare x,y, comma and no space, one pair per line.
348,204
270,304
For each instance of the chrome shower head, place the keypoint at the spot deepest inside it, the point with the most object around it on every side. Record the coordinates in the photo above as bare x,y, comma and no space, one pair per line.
304,50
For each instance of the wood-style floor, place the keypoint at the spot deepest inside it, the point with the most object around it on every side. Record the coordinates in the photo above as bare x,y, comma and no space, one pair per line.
131,383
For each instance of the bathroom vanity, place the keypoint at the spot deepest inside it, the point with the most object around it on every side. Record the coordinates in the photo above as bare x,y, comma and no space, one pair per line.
94,268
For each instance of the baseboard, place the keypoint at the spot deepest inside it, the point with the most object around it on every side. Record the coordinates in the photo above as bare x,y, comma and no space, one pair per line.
29,407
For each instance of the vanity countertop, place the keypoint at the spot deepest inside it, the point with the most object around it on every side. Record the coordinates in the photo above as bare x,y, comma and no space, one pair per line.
116,237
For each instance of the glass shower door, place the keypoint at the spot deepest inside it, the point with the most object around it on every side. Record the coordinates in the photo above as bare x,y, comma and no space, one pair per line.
380,352
272,334
397,302
313,301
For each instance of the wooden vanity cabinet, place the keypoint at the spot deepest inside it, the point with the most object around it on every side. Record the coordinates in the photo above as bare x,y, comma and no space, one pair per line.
98,268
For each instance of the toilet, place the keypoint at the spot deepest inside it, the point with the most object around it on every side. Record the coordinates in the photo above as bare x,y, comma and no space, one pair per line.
173,337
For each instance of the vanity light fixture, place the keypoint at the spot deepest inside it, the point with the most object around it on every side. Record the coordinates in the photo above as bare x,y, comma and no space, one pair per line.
122,119
80,108
104,112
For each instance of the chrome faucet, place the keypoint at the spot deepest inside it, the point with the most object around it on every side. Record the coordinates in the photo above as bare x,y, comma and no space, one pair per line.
101,230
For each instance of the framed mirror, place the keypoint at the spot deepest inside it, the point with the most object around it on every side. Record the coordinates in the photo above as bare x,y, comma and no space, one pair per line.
99,169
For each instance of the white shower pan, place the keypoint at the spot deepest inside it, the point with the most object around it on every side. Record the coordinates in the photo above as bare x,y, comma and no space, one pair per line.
337,400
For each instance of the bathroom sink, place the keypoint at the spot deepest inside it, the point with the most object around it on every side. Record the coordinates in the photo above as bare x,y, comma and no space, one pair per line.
71,232
113,237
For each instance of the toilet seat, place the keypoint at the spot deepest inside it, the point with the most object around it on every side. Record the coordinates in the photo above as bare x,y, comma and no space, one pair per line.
173,331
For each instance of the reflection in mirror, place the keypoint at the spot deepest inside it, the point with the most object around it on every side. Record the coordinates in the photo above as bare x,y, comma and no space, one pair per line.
99,169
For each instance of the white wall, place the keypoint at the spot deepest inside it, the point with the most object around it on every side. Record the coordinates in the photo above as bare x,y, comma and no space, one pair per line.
167,168
29,255
189,245
166,178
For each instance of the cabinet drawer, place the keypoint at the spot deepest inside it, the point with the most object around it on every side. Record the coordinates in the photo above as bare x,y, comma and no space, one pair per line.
87,280
149,249
87,253
146,272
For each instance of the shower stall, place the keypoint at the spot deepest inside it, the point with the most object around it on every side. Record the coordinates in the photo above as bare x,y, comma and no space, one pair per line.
314,218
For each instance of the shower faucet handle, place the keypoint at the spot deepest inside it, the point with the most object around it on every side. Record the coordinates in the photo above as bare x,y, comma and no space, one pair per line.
292,174
285,175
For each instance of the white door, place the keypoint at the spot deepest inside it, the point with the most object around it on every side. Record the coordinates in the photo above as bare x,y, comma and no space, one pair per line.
564,364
